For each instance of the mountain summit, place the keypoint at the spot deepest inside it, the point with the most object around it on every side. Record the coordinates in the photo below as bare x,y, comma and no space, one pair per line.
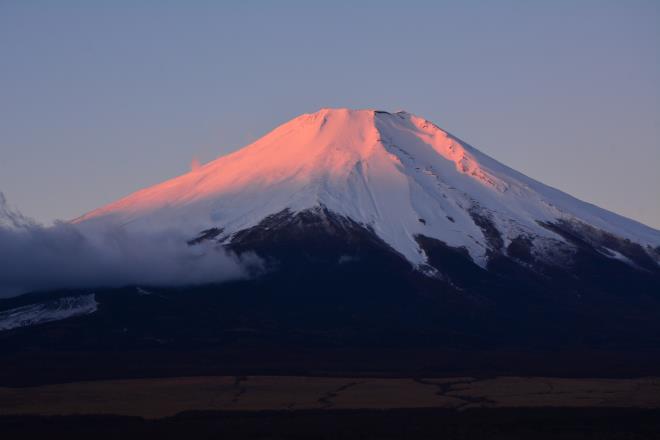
395,174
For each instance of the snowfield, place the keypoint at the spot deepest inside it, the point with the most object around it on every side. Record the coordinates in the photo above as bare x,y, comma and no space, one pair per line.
396,173
55,310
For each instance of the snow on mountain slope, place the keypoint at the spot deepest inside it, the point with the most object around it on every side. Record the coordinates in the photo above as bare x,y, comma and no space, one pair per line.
54,310
396,173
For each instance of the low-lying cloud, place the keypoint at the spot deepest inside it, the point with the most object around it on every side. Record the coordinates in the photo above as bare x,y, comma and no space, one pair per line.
36,257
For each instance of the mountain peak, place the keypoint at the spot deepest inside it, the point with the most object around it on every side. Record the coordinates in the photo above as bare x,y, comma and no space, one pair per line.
395,173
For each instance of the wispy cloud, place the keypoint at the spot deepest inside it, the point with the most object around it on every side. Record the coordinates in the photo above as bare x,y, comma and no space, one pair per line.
195,164
37,257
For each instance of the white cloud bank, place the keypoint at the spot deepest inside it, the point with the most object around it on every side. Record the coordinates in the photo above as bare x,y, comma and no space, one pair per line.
36,257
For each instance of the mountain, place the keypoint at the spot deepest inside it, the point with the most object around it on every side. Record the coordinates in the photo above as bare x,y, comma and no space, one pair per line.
397,175
386,243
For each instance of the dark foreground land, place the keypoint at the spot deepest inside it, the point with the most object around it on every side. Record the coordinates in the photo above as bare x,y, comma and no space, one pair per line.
509,424
362,407
166,397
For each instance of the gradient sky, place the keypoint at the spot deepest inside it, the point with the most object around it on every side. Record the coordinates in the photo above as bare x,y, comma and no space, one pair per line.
98,100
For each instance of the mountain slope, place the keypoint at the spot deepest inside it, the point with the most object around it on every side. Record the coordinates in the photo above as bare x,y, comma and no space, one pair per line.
398,175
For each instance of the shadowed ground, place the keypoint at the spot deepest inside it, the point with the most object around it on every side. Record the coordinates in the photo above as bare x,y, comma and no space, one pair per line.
163,397
427,423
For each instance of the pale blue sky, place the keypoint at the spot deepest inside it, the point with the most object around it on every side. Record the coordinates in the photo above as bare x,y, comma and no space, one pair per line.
98,99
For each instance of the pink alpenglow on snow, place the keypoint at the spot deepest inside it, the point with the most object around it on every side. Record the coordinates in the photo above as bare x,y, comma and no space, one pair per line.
383,170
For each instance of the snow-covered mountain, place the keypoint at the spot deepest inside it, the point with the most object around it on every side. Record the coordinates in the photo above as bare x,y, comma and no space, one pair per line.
377,232
397,175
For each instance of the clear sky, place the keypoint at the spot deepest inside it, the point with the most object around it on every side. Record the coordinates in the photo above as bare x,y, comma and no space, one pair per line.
98,99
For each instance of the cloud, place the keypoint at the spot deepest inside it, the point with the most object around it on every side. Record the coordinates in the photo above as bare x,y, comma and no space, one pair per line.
10,217
195,164
37,257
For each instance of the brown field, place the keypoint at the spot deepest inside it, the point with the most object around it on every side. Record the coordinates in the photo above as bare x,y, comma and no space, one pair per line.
156,398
